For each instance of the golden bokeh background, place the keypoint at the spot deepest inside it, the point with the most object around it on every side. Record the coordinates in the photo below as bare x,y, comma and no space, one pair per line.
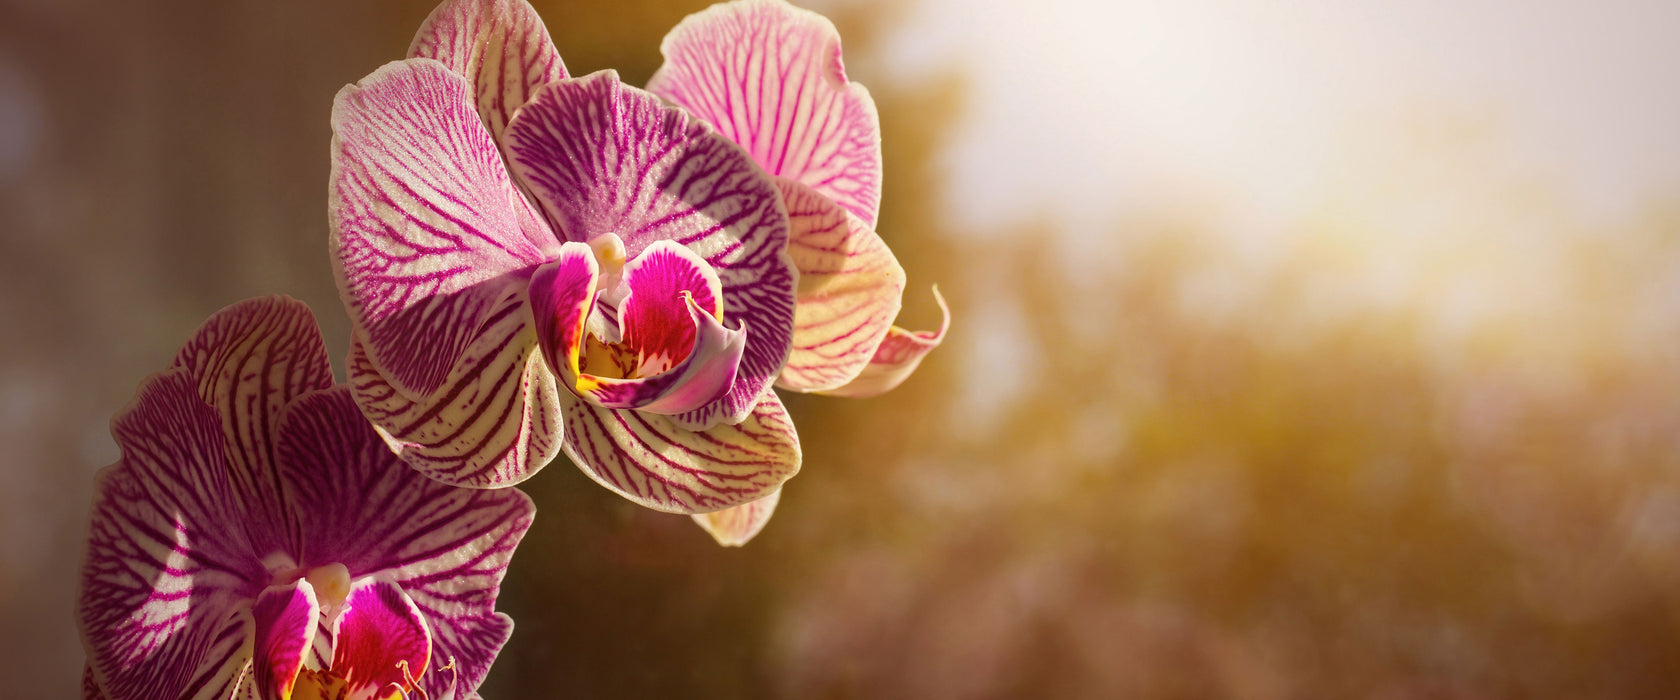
1321,350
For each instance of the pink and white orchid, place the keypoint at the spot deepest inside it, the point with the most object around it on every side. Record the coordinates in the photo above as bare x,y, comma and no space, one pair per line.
533,263
257,539
770,77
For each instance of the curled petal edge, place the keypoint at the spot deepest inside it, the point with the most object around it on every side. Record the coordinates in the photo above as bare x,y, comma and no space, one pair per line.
897,357
850,289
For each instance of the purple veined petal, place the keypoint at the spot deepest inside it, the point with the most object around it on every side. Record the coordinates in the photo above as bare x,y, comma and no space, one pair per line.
90,685
285,618
493,422
604,158
899,354
165,583
733,527
249,360
648,459
671,354
379,632
850,289
428,231
447,547
501,46
769,76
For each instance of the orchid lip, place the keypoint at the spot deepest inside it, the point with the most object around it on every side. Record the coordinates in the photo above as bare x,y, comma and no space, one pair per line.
644,334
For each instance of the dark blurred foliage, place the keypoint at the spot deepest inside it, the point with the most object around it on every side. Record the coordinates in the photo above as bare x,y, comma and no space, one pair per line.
1103,486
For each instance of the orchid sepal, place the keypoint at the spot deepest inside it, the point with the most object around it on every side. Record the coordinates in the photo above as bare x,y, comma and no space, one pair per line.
500,46
652,461
850,289
735,526
770,77
896,358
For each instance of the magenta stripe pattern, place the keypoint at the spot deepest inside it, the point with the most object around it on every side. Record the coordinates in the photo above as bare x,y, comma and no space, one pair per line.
168,571
493,422
602,157
178,554
770,77
733,527
650,460
428,231
850,290
897,357
500,46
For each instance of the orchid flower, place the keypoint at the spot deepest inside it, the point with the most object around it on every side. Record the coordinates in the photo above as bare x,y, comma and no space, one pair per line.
535,263
769,76
258,540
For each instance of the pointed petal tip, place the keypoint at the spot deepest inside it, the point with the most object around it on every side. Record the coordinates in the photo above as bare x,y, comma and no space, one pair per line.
898,356
734,527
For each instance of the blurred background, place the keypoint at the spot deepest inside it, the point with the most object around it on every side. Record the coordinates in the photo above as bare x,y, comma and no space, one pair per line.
1301,350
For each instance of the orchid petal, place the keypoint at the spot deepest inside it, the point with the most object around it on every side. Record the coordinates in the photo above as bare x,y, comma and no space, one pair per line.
769,76
669,312
90,685
428,231
733,527
850,289
493,422
501,46
363,507
379,630
899,354
285,619
649,459
249,360
602,157
162,607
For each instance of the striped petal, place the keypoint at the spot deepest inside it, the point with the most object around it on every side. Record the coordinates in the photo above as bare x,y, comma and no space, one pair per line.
90,685
603,158
648,459
447,547
670,354
769,76
284,626
249,360
733,527
378,636
899,354
428,232
494,421
500,46
165,580
850,289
